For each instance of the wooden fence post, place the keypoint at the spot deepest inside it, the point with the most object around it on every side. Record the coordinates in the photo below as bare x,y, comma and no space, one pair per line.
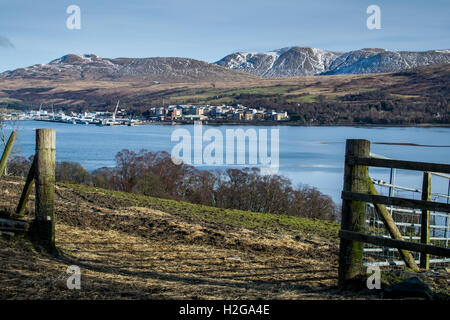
353,212
26,189
45,186
425,220
6,152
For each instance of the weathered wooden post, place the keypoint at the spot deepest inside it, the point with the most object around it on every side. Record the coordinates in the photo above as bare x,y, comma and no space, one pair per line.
425,220
20,210
6,152
353,212
45,186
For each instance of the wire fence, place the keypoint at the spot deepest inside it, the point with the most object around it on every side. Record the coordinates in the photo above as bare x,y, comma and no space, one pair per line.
408,222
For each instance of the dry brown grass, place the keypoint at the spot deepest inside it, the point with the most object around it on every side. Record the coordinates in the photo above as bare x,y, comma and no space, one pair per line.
115,265
128,251
63,92
120,256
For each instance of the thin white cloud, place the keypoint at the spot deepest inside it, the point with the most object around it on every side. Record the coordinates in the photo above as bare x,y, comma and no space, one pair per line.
5,42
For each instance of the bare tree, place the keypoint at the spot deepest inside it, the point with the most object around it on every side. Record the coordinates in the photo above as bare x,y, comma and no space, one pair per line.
154,174
8,124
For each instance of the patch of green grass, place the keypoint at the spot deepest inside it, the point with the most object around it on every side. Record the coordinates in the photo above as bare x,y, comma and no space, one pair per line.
404,96
262,90
305,99
270,222
219,96
389,277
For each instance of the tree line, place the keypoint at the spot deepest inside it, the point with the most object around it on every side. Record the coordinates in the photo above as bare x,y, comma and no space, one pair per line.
155,174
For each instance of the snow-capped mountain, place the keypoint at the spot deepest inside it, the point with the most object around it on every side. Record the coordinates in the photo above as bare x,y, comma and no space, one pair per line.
304,61
92,67
286,62
292,61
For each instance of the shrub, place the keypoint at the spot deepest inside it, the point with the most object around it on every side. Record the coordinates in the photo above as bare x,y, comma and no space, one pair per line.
18,166
72,172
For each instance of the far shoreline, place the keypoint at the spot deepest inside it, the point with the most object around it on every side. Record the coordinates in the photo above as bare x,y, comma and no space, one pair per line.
275,124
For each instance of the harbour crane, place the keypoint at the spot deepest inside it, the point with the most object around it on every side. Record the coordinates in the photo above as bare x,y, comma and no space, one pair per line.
115,111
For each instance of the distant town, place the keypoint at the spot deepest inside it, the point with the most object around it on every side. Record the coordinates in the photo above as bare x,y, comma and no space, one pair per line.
168,114
206,112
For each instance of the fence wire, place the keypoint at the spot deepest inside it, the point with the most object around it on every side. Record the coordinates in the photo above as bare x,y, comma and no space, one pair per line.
408,222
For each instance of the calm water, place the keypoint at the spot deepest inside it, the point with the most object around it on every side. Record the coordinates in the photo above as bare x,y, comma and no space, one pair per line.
308,155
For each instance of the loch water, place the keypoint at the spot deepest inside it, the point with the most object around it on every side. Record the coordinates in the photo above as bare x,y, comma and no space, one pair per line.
307,155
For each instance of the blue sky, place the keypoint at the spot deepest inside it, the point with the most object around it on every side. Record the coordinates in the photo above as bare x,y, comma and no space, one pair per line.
34,32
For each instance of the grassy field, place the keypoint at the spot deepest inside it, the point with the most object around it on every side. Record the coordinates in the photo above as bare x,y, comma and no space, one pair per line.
265,222
131,246
297,89
136,247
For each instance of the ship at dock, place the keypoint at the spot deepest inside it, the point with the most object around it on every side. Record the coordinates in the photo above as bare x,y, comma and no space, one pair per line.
84,118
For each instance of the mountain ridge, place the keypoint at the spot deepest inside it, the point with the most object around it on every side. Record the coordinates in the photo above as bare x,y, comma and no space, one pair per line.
306,61
280,63
158,69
